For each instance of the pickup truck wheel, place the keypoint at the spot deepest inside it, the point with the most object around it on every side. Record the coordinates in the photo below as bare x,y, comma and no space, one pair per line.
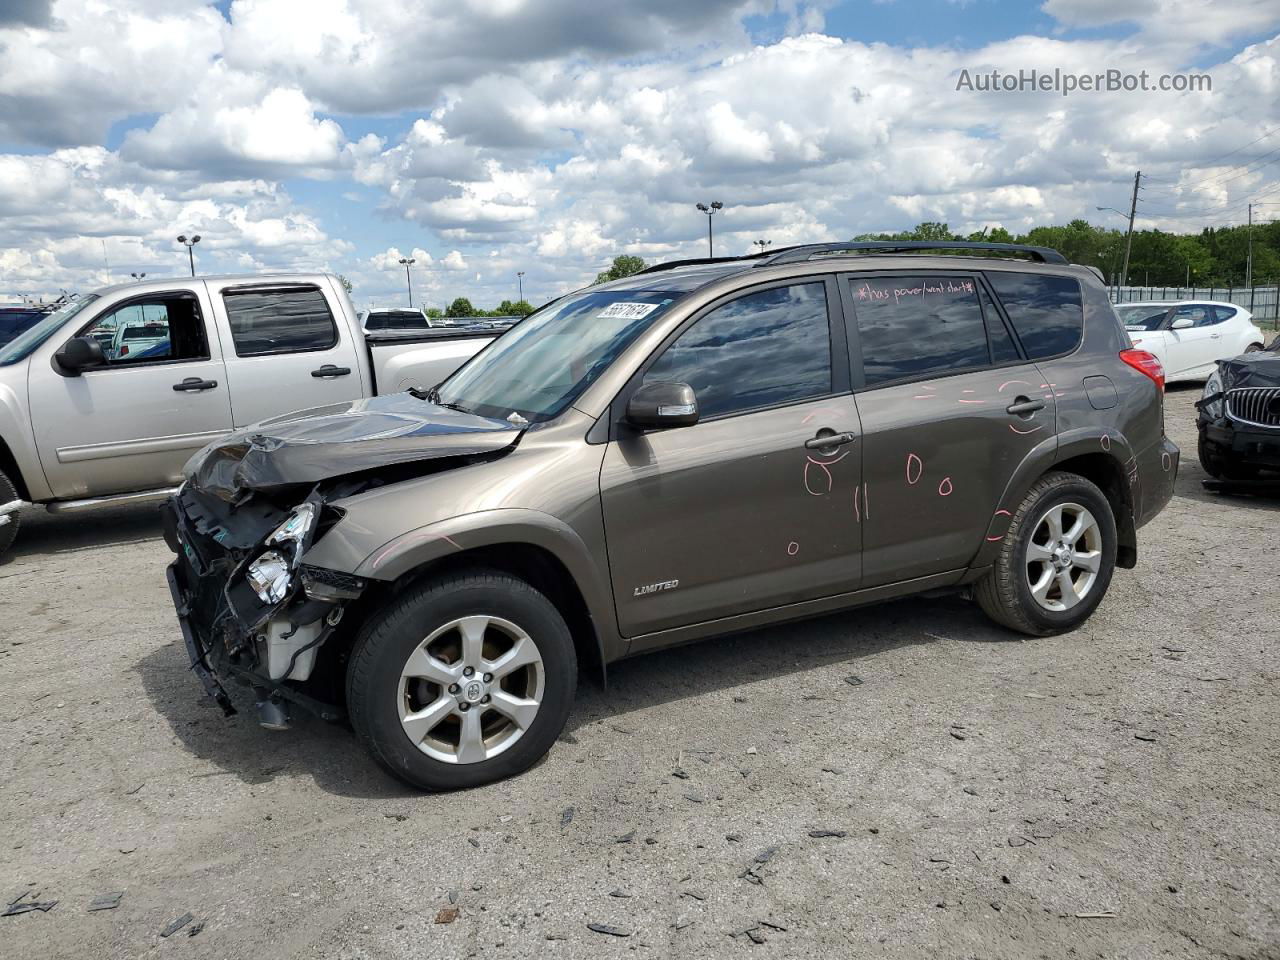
8,522
465,680
1056,560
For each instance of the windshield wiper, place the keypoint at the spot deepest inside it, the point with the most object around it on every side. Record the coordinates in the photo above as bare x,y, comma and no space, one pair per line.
433,396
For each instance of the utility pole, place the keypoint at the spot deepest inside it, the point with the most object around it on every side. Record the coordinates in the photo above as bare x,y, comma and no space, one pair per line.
191,257
762,244
520,280
1128,240
1248,263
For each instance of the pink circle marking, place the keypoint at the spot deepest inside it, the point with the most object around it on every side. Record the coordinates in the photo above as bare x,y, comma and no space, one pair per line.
912,459
945,488
793,548
1106,441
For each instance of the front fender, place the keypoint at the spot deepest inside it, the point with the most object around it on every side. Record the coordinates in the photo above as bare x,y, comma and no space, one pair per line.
17,434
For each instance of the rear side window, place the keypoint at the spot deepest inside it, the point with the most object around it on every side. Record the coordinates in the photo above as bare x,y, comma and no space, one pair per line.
293,320
1224,313
911,327
1047,312
761,350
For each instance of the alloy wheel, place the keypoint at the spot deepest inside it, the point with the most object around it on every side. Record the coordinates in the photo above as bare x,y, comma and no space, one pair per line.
471,689
1064,556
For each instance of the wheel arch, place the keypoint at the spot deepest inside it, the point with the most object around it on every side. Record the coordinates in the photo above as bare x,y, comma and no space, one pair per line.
535,547
9,466
1100,455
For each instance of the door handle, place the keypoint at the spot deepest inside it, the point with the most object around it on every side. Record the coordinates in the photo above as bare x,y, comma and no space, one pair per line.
329,371
1024,406
1215,336
194,383
829,441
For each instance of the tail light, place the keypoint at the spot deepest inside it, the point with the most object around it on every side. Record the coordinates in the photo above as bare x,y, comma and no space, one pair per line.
124,352
1145,363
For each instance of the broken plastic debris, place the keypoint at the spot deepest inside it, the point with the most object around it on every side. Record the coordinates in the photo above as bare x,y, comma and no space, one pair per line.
608,930
175,925
106,901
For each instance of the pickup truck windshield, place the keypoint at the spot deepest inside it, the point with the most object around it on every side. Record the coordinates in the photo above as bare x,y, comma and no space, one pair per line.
20,348
539,367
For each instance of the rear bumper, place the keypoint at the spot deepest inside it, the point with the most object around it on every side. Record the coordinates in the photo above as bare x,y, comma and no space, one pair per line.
1157,467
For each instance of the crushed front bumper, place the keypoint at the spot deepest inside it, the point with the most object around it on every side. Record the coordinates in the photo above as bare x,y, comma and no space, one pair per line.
195,650
1242,445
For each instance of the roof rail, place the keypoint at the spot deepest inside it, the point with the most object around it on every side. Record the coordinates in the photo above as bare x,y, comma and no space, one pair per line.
808,250
697,261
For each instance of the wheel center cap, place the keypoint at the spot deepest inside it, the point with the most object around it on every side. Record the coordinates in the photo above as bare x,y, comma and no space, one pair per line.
1062,557
473,691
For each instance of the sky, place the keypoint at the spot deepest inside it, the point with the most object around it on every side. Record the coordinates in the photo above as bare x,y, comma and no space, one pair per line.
486,138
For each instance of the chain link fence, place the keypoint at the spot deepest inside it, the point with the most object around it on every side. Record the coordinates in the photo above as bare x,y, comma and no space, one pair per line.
1262,302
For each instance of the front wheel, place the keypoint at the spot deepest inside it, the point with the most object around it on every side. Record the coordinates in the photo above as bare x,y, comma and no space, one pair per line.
1056,560
8,521
465,680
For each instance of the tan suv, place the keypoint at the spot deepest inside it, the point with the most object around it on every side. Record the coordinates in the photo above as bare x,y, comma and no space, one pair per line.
701,448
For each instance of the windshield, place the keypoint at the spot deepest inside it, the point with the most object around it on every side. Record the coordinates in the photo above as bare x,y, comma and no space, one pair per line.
1142,316
24,343
539,367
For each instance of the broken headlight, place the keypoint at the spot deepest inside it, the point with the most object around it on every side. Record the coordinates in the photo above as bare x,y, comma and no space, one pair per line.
1211,402
271,575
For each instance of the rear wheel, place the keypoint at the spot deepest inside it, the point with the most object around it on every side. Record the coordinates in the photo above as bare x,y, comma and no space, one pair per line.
1253,348
1056,560
9,522
466,680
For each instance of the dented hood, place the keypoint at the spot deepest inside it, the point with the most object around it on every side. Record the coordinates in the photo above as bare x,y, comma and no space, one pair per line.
343,438
1260,369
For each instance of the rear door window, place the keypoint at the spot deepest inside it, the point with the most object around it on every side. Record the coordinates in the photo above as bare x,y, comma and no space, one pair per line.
1003,349
911,327
1223,313
1047,312
292,320
764,349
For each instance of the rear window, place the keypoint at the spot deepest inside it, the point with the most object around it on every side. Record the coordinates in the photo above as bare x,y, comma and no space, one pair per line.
293,320
1047,312
145,333
398,320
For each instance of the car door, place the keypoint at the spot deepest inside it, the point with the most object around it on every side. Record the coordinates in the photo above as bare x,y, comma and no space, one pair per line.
1193,341
285,350
131,424
948,406
736,514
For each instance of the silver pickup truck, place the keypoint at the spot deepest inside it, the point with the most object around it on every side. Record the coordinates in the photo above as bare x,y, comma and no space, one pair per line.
105,399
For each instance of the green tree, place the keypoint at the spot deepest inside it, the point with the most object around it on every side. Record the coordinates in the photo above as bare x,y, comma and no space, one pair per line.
623,266
460,307
346,284
434,313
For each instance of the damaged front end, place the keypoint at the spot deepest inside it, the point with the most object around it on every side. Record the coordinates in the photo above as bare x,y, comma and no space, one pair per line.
250,607
1239,417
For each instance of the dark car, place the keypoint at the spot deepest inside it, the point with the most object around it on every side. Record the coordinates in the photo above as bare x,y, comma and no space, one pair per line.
1239,418
16,320
701,448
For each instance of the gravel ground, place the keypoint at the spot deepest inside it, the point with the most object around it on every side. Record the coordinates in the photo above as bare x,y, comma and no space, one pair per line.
969,794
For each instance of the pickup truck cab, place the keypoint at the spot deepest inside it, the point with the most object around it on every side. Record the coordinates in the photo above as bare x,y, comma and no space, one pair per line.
106,398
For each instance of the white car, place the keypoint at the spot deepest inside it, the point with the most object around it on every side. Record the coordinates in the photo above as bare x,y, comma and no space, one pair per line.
1190,336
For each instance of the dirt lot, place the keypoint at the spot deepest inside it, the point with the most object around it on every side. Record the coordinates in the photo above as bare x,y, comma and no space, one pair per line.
988,797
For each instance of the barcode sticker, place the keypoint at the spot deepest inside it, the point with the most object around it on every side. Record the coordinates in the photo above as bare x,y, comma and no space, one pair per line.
627,311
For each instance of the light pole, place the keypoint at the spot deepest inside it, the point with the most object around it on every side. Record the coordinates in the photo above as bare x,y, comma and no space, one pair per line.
406,262
138,276
520,280
761,244
710,211
191,257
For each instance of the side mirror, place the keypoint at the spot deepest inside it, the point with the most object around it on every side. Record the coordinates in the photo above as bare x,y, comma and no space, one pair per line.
81,353
662,404
1182,323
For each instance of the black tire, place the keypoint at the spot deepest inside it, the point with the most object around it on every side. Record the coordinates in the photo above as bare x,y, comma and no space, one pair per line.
1207,460
9,531
1253,348
1005,595
387,640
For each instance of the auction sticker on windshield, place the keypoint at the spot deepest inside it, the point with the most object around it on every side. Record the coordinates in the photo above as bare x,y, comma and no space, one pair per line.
627,311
